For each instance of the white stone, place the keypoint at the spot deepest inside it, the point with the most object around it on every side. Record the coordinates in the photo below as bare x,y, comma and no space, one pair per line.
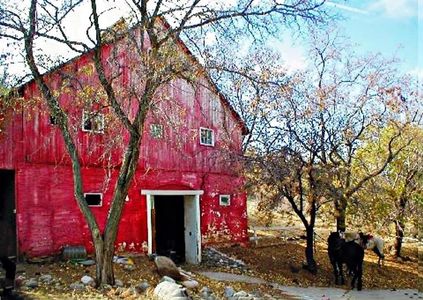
143,286
46,278
31,283
168,290
118,283
87,280
240,294
77,286
229,291
190,284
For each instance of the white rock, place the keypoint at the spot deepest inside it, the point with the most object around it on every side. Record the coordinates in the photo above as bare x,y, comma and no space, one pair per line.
77,286
190,284
46,278
229,291
168,290
31,283
118,283
142,287
87,280
240,294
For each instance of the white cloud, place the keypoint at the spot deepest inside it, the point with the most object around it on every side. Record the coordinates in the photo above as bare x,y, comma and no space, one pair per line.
417,72
293,55
347,8
397,8
219,3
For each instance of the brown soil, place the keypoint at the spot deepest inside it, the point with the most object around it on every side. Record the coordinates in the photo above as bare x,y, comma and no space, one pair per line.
272,259
281,262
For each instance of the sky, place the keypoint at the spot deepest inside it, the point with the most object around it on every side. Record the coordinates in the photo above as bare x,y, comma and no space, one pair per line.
391,27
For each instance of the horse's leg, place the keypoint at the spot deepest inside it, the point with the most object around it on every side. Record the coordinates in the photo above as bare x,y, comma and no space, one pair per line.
380,255
341,273
359,275
335,268
354,276
335,272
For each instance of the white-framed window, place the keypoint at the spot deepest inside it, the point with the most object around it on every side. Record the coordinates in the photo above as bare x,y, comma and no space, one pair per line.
224,200
94,199
92,122
156,131
206,136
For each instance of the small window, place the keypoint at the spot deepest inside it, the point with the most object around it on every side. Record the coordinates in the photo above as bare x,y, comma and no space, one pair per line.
92,122
94,199
156,131
225,200
206,137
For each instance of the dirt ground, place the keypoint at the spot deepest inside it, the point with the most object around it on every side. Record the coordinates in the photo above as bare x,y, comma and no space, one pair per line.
277,258
281,262
273,259
66,273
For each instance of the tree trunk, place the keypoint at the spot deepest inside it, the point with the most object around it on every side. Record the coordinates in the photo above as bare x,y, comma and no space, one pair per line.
104,263
98,247
399,225
126,174
107,274
309,253
399,234
340,221
341,209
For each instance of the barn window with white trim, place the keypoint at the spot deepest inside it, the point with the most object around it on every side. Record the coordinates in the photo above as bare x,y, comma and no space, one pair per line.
206,136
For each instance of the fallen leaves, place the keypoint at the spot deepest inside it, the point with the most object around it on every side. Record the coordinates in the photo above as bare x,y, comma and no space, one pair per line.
276,260
273,259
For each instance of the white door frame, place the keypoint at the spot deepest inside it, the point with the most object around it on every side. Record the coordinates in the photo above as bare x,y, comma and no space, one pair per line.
150,202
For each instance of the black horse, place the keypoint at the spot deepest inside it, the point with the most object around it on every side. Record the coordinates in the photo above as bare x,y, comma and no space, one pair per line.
351,254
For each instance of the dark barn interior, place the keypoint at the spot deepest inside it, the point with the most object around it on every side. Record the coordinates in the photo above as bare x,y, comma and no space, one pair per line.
169,222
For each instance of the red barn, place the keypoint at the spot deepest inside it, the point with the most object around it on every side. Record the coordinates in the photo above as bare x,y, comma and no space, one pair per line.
186,192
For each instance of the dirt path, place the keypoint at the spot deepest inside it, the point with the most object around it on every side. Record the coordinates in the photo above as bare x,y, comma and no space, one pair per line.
321,293
318,293
221,276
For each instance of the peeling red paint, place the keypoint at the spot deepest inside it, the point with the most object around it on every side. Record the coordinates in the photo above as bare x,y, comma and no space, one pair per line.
47,214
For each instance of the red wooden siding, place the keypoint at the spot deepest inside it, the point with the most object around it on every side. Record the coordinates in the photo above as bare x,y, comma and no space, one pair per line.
47,214
48,217
187,111
11,145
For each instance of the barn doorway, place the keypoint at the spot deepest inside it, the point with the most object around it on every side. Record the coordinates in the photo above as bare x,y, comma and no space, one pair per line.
169,227
7,213
173,224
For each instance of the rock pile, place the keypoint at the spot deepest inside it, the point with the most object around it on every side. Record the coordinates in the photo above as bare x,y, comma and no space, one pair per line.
214,258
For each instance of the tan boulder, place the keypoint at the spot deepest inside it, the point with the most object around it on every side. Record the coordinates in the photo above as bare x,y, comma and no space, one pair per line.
166,267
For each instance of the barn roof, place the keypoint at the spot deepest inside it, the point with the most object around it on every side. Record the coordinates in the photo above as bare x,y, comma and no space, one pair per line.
185,48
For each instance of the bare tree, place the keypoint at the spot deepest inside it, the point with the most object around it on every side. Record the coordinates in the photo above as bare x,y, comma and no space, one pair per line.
308,127
157,58
338,103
